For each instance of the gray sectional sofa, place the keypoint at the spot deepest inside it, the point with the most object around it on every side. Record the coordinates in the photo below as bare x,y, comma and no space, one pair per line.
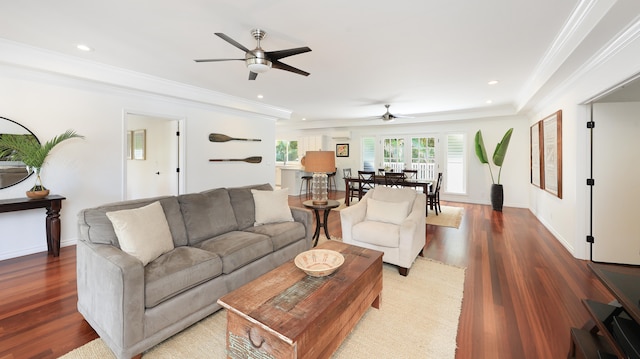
217,248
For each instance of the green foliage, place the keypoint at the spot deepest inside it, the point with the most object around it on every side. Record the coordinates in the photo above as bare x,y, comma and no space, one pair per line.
498,155
28,150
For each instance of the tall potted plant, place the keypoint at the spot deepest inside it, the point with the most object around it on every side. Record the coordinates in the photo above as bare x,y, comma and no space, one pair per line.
497,192
33,154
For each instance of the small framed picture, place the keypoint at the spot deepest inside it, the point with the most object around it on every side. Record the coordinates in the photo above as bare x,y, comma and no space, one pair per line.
342,150
139,145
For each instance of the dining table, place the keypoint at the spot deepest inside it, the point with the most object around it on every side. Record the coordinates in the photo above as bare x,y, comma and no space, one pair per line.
380,181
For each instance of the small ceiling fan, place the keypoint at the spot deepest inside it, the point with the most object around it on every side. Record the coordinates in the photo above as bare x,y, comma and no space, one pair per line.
387,116
258,60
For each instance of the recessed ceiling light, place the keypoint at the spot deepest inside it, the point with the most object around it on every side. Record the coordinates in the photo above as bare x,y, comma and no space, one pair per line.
489,101
304,119
260,96
83,47
493,82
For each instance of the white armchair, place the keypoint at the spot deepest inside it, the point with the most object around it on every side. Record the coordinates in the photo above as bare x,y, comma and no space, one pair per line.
390,220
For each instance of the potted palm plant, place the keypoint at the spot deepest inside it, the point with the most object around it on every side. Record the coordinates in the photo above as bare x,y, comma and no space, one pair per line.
32,153
497,192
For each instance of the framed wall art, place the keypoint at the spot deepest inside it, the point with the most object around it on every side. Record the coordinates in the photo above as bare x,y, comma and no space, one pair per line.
129,145
342,150
552,153
535,133
138,144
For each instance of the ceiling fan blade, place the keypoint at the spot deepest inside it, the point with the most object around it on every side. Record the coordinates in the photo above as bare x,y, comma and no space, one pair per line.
252,75
232,41
216,60
280,54
280,66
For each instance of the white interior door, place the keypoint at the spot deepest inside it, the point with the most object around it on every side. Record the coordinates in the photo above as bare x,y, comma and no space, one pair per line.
155,172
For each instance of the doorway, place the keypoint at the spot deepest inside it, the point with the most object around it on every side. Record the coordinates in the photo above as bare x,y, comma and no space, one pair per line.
153,156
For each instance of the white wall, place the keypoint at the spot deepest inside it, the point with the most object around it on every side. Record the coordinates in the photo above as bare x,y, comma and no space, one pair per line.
515,173
567,218
90,172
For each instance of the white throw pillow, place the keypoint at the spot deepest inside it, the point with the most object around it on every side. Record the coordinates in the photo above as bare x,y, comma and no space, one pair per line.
271,206
390,212
142,232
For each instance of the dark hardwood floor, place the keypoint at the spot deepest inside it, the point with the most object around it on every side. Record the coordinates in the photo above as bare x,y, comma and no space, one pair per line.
522,290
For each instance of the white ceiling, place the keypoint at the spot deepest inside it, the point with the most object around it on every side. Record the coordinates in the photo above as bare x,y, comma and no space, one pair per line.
422,57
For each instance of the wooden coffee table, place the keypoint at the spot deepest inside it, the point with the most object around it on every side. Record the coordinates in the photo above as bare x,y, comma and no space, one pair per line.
287,314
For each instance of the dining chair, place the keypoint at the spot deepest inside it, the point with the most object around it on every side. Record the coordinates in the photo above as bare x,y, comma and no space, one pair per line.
433,197
411,175
394,179
352,189
367,180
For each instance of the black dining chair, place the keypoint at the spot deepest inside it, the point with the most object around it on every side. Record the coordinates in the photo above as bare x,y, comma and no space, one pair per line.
367,180
433,197
411,175
352,190
393,179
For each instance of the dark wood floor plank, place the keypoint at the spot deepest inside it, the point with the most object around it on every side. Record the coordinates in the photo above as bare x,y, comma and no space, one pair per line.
522,290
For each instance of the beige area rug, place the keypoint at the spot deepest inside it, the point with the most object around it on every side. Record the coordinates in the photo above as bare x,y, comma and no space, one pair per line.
449,217
418,318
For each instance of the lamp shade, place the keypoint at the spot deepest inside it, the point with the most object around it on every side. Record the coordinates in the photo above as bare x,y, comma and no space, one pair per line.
320,161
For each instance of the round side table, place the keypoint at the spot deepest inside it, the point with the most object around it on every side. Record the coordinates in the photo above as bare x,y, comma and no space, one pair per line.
316,209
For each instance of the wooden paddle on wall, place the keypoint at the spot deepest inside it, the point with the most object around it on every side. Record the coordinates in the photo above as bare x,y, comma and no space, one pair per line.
254,159
219,137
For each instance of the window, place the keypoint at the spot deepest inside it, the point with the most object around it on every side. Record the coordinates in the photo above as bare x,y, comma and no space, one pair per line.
423,157
456,166
368,153
286,151
393,153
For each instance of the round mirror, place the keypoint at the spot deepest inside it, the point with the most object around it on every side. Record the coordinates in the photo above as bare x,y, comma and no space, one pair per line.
12,172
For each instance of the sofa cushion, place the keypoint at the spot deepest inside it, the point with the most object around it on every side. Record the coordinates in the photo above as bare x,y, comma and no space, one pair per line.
97,228
271,206
242,203
390,212
237,248
177,271
281,234
142,232
207,214
378,233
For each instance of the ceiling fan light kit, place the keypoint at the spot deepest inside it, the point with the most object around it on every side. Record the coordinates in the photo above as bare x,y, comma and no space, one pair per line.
259,61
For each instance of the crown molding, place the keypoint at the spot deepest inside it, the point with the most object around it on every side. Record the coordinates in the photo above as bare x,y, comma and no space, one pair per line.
28,57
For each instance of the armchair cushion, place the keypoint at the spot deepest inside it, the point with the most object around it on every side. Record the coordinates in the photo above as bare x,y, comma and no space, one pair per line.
378,233
142,232
390,212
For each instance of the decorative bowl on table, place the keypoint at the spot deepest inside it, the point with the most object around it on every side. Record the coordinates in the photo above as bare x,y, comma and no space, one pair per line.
319,262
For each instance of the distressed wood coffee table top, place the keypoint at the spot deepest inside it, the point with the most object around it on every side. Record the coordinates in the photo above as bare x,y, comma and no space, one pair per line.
292,306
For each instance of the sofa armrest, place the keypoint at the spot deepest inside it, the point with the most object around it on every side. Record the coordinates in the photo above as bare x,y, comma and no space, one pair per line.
304,216
351,216
111,292
413,230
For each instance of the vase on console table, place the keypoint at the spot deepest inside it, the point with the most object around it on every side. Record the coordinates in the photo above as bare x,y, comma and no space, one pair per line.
38,190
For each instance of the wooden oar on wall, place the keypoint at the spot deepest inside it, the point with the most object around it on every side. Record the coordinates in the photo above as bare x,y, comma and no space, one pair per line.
254,159
219,137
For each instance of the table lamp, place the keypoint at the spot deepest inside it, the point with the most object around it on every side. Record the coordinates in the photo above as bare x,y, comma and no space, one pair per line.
320,162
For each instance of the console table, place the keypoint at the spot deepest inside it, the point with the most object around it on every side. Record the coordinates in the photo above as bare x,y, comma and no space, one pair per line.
52,203
613,331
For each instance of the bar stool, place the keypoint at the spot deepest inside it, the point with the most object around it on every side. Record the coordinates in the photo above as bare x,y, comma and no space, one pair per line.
306,181
332,180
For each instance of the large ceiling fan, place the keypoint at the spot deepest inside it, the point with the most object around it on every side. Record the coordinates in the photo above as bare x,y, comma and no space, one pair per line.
258,60
387,116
